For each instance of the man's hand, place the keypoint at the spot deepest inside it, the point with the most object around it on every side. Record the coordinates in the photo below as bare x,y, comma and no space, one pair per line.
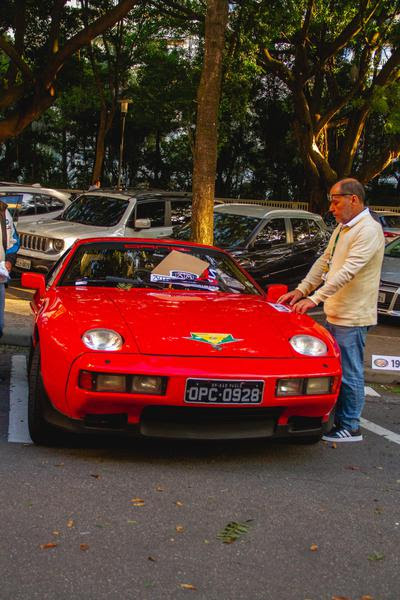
291,297
8,265
303,306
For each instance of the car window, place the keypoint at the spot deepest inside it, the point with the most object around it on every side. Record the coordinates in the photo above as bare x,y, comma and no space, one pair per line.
99,211
392,221
127,265
41,204
181,211
155,211
313,227
301,229
232,231
273,232
54,203
27,206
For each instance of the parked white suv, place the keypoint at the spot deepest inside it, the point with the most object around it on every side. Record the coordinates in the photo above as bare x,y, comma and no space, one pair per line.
101,213
28,203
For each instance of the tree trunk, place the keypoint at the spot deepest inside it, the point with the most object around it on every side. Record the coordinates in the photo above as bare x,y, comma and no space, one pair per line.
100,145
208,96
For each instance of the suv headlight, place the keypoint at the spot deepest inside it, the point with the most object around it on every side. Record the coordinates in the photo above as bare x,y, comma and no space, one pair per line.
58,245
102,339
308,345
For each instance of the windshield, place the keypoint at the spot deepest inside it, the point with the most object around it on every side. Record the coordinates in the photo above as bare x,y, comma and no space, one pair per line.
393,249
127,265
99,211
230,231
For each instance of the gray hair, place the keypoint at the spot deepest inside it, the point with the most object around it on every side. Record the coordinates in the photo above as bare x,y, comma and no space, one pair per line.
352,186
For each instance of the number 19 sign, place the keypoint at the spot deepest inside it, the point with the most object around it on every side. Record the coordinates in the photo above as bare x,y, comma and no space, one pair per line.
387,363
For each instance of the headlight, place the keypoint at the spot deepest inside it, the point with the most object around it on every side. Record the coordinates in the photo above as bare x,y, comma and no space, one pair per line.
58,245
102,339
289,387
308,345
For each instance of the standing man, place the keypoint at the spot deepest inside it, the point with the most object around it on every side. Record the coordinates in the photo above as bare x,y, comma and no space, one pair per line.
9,244
348,273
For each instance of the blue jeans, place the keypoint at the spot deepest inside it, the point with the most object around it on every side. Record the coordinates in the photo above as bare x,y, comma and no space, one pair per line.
351,341
2,303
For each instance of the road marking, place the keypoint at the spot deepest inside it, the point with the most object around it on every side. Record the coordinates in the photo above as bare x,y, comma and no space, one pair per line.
18,418
369,391
386,433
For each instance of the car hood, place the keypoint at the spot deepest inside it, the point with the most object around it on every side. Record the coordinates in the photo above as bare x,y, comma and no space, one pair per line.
178,324
62,229
391,270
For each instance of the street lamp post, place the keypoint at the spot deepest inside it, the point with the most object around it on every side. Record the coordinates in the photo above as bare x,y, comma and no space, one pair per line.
124,109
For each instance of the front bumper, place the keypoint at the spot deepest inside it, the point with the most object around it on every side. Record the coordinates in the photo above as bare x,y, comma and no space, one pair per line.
168,416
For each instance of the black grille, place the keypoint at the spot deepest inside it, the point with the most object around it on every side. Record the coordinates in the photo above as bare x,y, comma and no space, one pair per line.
189,414
34,242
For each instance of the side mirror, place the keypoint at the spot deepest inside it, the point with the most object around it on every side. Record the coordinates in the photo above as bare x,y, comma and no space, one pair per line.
275,291
142,224
34,281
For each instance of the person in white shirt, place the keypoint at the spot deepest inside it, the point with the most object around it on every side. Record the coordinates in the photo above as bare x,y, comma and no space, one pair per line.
346,279
9,244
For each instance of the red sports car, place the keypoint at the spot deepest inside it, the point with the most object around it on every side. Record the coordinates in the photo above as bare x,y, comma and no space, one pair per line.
172,339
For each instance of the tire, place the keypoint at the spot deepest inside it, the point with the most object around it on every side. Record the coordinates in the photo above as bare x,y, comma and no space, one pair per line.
41,432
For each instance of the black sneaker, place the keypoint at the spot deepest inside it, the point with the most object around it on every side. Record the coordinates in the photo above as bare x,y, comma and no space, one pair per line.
340,434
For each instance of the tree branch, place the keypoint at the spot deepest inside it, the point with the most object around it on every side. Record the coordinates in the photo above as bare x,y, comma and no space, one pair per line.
11,52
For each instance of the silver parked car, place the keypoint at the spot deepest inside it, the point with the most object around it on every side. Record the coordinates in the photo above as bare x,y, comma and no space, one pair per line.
30,203
390,222
101,213
389,289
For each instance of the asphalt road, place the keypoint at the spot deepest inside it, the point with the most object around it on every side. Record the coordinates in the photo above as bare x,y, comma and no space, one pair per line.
318,522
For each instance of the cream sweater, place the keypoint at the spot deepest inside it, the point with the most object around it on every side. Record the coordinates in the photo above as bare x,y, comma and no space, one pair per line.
352,270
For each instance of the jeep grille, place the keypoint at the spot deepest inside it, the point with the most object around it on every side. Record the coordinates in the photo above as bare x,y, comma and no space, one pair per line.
34,242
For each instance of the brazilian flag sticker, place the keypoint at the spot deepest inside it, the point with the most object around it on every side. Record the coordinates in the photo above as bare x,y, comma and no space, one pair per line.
215,340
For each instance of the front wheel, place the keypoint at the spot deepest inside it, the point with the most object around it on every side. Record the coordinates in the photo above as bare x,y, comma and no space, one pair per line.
40,431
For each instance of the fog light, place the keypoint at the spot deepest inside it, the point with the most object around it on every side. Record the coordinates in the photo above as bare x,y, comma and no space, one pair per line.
110,383
289,387
147,384
87,380
318,385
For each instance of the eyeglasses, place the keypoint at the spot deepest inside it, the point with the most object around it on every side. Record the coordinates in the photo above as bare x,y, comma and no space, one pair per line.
332,196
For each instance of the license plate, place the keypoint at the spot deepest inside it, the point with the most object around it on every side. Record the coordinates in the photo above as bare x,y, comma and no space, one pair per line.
24,263
224,391
381,297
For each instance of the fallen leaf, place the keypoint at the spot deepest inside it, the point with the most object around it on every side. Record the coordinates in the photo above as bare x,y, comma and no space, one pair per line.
84,547
188,586
376,556
352,468
137,502
334,445
159,488
151,558
95,475
179,503
59,465
180,528
340,598
71,523
366,598
206,541
131,522
232,531
313,547
55,532
47,546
